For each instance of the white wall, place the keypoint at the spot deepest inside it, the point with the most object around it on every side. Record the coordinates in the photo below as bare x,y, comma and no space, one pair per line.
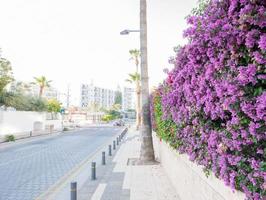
20,123
189,179
56,124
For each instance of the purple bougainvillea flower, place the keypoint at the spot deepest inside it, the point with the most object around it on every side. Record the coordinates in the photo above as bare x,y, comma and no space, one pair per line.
262,42
215,99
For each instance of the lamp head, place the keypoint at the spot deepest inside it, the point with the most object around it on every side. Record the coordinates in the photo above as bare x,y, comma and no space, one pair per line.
124,32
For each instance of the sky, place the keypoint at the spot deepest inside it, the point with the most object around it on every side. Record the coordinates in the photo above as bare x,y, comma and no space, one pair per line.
77,41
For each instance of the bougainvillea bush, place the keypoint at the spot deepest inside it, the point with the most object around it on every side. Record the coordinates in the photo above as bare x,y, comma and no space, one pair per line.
212,106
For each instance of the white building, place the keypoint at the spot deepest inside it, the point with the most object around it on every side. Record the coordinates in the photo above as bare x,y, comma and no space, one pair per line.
33,90
128,99
50,93
92,95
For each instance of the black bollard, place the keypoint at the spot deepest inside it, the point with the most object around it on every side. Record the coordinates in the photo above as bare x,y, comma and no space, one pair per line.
110,150
93,171
103,158
73,191
117,142
114,145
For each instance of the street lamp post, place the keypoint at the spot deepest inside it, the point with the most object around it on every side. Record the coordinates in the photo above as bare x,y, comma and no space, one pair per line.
146,151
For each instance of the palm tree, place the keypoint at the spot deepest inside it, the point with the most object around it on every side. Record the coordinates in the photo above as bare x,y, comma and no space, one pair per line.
135,55
146,150
135,78
43,83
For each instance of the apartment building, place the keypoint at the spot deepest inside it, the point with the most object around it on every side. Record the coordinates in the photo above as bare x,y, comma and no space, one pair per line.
92,95
128,99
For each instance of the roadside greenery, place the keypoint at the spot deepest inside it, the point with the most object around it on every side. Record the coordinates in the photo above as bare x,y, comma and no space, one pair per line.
107,118
66,129
53,106
118,97
10,138
22,102
134,78
6,75
19,98
113,113
212,105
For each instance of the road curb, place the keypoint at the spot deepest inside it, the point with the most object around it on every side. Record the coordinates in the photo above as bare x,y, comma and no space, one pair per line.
50,193
7,145
21,141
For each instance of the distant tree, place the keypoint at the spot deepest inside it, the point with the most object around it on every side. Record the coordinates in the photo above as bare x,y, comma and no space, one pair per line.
17,101
6,75
5,99
43,83
116,107
135,56
38,104
135,79
53,106
114,113
21,87
131,110
118,97
22,102
107,118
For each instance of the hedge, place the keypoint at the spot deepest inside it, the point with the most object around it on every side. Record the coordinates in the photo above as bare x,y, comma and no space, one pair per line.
212,105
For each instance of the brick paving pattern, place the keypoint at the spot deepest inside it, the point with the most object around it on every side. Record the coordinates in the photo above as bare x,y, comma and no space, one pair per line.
27,170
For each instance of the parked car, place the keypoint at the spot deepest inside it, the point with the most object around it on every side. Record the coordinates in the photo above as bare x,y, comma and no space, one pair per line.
119,123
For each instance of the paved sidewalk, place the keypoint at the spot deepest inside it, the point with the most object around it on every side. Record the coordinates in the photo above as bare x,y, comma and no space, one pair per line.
117,180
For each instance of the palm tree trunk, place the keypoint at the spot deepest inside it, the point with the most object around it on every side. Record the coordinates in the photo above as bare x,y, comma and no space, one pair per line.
138,114
41,91
146,151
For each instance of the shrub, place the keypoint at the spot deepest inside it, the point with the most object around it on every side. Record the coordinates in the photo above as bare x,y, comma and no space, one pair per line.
53,106
107,118
23,102
9,138
214,99
65,129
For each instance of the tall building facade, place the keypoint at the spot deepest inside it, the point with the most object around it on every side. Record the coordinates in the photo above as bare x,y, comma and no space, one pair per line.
128,99
92,95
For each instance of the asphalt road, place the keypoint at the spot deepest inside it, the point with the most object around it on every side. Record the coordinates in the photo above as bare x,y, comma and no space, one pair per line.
27,170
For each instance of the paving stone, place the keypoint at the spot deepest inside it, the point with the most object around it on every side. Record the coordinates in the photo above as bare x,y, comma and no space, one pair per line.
140,182
27,170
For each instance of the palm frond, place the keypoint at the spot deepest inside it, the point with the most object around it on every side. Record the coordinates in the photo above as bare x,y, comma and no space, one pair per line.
134,77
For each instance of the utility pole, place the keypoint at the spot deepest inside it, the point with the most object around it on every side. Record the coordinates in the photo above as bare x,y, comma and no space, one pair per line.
68,96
